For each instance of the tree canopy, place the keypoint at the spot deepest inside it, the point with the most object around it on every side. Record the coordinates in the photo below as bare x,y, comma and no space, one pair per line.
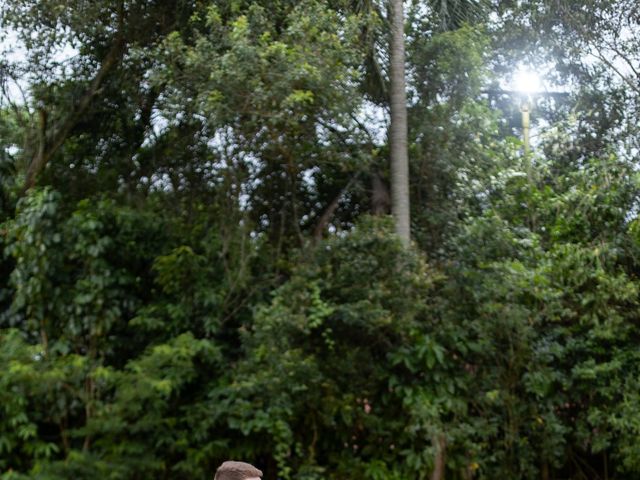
198,261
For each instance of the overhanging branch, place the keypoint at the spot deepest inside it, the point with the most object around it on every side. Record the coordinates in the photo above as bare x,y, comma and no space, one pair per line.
57,138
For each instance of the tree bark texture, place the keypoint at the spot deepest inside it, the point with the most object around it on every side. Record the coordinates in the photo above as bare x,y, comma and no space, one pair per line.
440,443
398,127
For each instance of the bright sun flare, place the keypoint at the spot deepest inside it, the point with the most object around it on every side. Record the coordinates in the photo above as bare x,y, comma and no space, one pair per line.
526,81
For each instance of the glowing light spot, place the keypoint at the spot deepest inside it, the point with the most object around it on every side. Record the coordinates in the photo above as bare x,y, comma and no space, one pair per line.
526,81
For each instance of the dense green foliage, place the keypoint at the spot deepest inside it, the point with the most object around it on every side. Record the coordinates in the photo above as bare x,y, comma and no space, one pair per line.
196,262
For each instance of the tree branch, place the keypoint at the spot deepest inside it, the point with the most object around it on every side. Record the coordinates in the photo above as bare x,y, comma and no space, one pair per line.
324,219
610,64
58,137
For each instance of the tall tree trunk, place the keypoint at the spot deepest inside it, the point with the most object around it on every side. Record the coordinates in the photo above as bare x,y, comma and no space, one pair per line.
440,442
398,134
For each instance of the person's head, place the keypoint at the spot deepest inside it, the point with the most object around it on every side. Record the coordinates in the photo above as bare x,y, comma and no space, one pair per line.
237,471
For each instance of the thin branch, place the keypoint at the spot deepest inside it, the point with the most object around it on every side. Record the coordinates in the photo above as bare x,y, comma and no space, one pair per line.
624,77
58,137
326,216
5,93
625,58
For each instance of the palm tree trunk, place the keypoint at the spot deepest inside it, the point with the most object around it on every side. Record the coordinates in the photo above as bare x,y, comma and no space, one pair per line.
398,127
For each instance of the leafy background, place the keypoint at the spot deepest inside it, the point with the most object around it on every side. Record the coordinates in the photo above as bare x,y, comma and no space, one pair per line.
204,268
